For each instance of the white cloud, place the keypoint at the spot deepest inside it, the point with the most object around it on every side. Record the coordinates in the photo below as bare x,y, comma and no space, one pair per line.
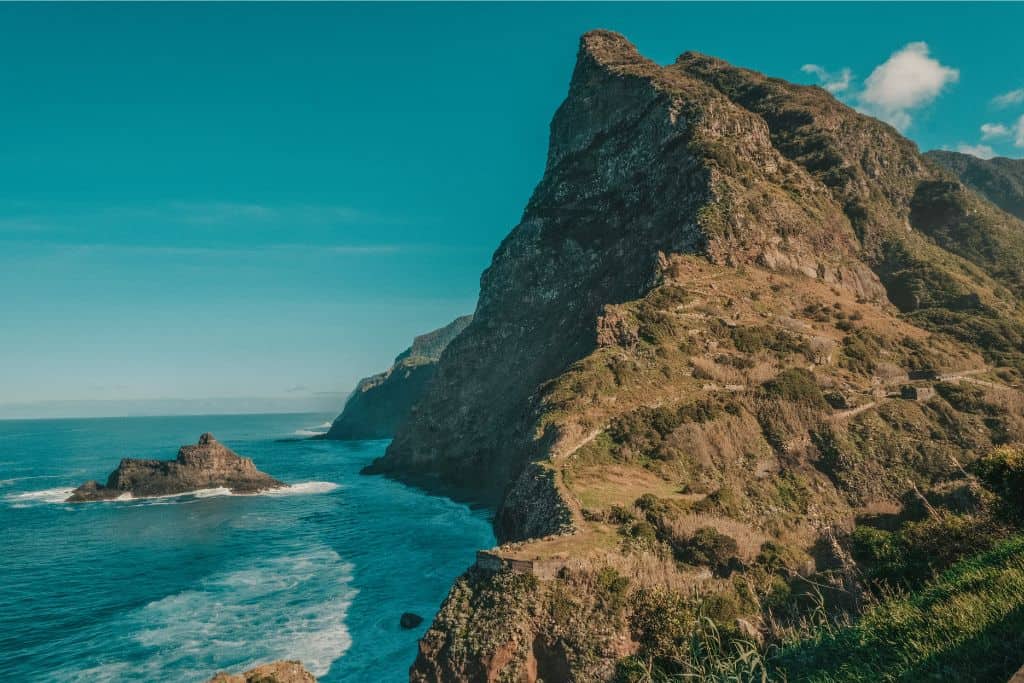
908,80
833,82
1019,129
990,131
980,151
1009,98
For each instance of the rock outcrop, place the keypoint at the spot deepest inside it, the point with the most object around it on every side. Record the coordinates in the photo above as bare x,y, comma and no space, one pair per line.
275,672
208,464
381,402
999,180
410,620
709,255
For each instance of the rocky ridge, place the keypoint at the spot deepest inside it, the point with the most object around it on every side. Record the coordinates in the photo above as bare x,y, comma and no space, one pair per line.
381,402
208,464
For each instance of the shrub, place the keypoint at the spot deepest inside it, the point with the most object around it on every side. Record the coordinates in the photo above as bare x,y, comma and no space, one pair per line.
861,351
796,385
965,397
915,552
757,338
1002,471
709,547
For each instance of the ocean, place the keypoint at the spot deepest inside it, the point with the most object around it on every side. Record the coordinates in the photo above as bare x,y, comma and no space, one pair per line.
177,588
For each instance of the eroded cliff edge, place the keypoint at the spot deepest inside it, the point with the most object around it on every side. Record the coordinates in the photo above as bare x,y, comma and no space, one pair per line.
735,316
383,401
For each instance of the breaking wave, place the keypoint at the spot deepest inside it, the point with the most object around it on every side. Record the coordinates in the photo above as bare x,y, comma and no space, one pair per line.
60,495
313,431
286,607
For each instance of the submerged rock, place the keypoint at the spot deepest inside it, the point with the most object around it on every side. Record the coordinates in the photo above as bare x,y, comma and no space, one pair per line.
209,464
275,672
410,620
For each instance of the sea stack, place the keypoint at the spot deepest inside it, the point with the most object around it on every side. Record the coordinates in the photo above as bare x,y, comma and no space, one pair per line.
208,464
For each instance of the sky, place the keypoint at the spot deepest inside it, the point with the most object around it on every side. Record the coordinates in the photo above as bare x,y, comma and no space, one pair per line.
244,206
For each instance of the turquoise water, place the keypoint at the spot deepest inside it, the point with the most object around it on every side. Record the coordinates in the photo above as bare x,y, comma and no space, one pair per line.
173,589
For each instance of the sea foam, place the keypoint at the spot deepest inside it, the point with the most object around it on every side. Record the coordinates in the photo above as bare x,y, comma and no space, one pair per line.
291,606
60,494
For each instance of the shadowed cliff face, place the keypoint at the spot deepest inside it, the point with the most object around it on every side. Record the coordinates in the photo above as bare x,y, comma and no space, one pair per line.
381,402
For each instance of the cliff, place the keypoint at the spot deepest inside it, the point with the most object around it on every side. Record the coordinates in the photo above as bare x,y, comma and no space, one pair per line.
381,402
999,180
736,317
208,464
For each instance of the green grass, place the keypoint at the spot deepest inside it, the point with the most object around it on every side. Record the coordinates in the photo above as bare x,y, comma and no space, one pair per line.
967,625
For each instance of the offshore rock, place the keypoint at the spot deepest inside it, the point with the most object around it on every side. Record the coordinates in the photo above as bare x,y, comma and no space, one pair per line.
209,464
410,620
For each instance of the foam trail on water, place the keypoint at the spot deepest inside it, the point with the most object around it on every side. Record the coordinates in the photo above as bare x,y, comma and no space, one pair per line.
57,495
305,487
313,431
308,432
60,495
286,607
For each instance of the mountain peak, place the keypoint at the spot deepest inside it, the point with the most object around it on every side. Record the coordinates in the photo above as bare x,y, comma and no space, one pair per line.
610,49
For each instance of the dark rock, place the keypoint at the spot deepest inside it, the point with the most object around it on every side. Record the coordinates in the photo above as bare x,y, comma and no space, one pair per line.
410,620
209,464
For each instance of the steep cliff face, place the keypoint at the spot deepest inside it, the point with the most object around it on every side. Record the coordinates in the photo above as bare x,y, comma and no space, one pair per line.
381,402
736,317
999,180
642,161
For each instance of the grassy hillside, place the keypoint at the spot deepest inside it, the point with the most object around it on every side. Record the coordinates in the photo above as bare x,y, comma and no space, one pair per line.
966,625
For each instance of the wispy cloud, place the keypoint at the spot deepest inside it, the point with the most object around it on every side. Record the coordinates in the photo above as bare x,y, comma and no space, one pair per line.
1013,132
910,79
1008,99
992,131
833,82
1000,131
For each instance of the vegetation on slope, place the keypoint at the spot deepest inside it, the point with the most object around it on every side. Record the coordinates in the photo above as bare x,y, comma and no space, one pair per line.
966,625
757,448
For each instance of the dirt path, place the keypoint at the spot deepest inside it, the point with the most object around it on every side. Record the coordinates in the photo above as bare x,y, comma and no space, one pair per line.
846,414
583,442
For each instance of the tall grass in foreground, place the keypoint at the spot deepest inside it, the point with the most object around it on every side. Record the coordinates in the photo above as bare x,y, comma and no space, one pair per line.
966,625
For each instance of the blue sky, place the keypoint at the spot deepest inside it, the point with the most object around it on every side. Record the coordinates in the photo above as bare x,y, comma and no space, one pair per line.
269,200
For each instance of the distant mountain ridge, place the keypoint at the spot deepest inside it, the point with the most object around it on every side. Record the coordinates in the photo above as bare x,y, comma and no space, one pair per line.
999,180
382,401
